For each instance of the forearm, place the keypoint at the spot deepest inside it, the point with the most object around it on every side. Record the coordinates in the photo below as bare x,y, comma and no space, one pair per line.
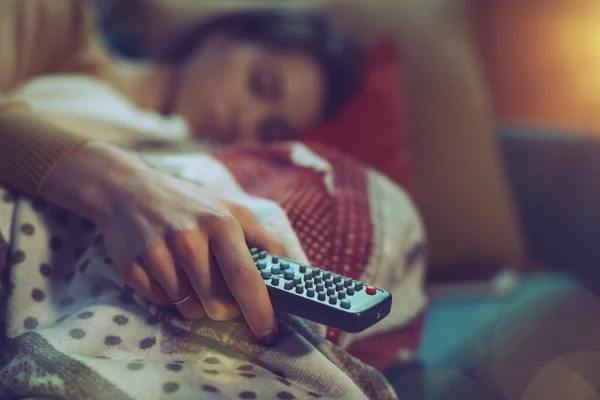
30,148
38,37
84,180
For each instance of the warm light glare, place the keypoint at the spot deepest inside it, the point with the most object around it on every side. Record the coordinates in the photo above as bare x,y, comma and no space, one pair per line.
543,60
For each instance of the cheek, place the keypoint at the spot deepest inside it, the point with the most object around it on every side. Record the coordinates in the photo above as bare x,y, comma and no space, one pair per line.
206,80
310,115
204,88
305,111
220,79
305,92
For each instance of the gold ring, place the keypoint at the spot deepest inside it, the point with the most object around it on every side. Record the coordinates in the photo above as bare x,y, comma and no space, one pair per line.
178,302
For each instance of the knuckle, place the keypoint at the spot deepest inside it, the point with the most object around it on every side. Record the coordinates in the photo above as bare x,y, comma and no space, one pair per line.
131,277
222,312
244,273
241,210
187,245
154,252
220,222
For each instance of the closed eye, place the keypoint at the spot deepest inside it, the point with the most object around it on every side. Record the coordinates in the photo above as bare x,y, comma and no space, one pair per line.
265,82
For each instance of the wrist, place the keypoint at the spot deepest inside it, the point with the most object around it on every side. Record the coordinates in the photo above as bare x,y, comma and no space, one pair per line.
84,182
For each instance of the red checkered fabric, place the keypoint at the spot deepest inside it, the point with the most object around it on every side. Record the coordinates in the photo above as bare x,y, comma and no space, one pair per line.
333,224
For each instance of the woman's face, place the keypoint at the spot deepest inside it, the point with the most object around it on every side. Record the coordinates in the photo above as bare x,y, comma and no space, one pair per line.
236,92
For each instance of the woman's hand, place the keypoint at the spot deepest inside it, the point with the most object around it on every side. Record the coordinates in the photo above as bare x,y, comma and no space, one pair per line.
169,238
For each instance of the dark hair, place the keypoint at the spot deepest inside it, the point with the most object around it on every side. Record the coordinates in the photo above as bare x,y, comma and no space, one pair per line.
338,54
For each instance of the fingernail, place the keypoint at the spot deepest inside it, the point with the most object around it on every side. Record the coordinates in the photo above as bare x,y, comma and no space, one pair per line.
268,338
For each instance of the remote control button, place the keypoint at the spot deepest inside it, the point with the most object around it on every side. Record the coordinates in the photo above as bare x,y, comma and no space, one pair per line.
266,274
302,268
274,259
261,265
328,283
308,276
348,282
326,275
337,278
316,272
320,287
262,254
254,250
349,291
339,286
275,281
330,291
275,269
310,292
321,296
358,286
289,274
318,279
332,300
345,304
371,290
255,257
308,284
288,285
297,280
299,289
284,265
341,295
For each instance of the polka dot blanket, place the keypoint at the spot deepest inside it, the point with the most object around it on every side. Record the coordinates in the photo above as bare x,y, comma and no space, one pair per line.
72,330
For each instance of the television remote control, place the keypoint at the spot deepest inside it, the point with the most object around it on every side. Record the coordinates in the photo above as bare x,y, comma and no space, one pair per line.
321,296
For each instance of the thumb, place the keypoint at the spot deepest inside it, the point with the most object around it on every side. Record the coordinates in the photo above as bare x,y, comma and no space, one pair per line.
255,233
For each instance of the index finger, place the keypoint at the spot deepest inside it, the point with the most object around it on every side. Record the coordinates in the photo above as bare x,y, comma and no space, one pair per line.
245,282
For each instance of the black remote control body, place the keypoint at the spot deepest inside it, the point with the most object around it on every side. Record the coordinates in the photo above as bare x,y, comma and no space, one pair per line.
321,296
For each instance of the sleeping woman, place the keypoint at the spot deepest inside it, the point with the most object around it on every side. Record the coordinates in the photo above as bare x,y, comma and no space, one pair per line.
248,77
175,240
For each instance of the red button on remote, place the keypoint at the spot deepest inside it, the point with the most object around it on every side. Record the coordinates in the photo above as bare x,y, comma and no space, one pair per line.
371,290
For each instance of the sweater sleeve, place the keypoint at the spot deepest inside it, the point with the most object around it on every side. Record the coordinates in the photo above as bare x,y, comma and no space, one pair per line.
39,37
